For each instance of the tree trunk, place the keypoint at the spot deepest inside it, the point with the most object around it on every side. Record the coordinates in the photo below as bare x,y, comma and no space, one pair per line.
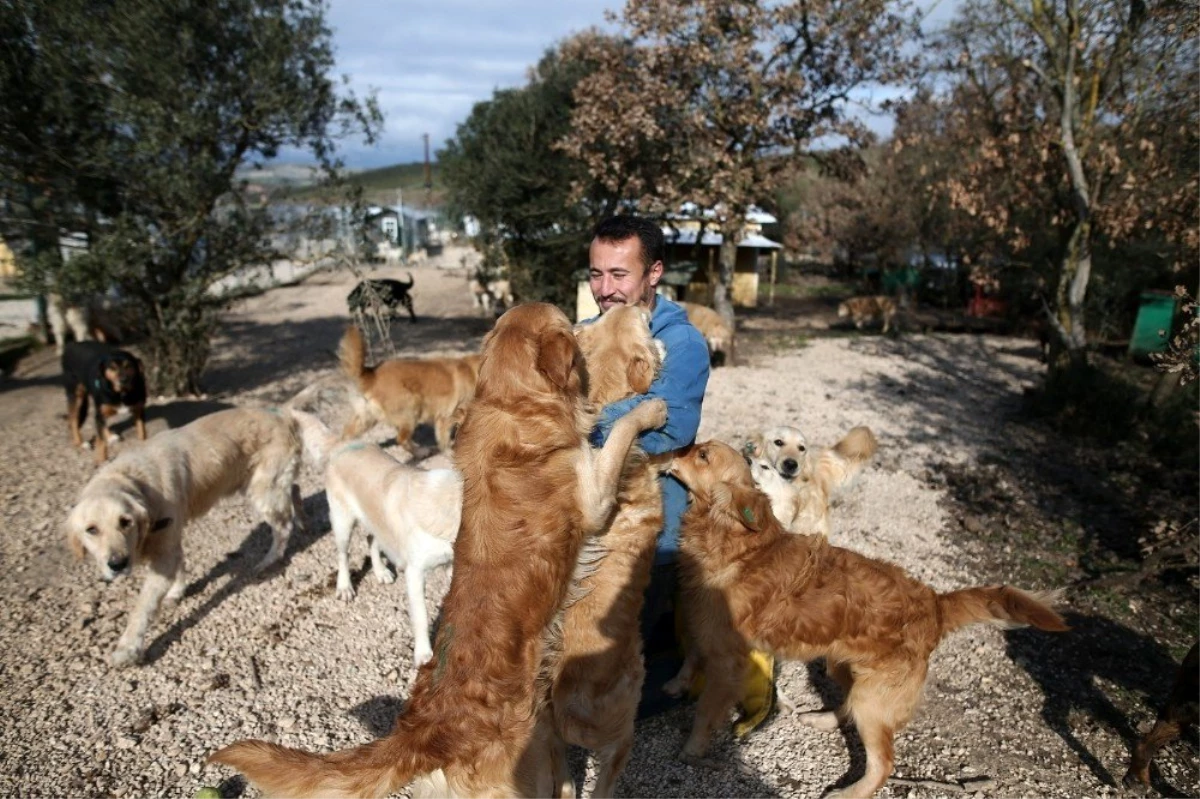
731,232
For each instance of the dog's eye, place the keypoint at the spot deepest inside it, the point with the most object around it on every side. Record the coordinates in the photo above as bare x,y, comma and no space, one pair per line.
779,442
124,522
703,455
91,530
803,448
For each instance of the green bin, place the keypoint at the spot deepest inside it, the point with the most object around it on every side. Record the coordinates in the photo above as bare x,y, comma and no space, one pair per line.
1152,330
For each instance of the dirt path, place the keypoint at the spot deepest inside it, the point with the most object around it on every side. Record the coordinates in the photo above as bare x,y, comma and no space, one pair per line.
1006,714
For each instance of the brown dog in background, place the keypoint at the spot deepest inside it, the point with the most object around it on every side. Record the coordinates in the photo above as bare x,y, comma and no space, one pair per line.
1182,709
749,583
407,392
596,691
533,490
715,329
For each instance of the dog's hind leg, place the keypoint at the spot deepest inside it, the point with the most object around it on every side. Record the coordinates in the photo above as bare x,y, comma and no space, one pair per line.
341,519
77,408
273,498
382,573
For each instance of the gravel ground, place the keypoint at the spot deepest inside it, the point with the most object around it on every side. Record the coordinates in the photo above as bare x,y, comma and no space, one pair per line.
284,659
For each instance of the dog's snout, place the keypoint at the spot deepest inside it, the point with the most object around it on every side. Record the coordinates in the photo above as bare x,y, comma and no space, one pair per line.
118,563
790,465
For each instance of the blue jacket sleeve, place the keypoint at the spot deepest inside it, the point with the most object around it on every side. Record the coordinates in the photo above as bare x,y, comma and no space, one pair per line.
681,383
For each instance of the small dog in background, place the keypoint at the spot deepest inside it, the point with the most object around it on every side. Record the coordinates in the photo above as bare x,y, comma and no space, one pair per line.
878,309
110,379
406,392
411,514
1181,710
801,503
715,329
382,296
493,296
134,510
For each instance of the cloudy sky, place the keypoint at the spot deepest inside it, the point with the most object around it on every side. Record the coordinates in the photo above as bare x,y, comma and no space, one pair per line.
430,62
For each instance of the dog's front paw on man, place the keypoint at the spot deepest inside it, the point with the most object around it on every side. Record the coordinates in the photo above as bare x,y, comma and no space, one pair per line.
651,414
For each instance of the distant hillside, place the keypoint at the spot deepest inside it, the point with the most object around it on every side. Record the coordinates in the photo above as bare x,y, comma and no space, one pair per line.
381,185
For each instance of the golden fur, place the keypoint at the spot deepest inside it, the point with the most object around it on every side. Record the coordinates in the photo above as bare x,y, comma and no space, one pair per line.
596,691
134,509
407,392
411,514
784,448
533,490
861,310
715,329
748,584
802,505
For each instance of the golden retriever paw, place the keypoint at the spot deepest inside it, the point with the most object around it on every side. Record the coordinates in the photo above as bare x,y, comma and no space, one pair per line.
695,761
384,576
125,656
825,720
345,592
651,414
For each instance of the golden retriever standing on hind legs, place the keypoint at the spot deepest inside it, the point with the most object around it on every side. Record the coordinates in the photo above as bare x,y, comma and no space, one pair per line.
134,510
533,490
596,691
750,583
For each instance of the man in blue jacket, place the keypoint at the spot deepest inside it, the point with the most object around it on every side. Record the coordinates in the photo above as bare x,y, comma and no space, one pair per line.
626,264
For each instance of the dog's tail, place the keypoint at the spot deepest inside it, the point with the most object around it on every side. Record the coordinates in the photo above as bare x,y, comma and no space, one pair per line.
318,439
1002,606
836,467
352,355
379,768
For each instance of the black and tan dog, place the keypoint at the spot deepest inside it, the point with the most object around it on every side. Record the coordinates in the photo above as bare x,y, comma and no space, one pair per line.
111,379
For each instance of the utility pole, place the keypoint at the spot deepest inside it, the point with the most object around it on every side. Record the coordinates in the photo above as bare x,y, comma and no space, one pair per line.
428,170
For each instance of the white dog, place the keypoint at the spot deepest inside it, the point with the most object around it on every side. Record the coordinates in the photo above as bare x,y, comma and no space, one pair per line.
135,508
801,502
412,515
784,448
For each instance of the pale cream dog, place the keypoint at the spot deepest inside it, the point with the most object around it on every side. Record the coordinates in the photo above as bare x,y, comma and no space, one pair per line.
412,515
134,509
802,505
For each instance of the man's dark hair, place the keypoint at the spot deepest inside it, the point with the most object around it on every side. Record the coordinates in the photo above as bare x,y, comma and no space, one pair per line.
624,227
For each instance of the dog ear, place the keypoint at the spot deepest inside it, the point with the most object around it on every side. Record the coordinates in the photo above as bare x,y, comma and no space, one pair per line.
746,506
640,374
557,353
75,544
753,447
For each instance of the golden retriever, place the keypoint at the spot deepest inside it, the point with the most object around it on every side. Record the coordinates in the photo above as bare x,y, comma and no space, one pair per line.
802,505
407,392
867,309
749,583
715,329
596,691
411,514
134,510
784,448
533,490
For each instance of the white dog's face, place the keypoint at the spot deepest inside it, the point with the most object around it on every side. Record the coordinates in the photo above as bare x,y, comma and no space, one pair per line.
110,528
784,448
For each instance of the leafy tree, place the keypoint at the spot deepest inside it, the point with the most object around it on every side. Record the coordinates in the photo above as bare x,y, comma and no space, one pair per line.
127,122
502,168
709,101
1076,130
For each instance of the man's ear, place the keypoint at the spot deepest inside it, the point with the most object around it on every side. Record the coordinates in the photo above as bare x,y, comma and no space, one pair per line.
161,524
748,507
557,351
641,375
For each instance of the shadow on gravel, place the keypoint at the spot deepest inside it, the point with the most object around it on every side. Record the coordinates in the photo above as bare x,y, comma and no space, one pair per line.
1074,671
239,564
250,354
181,412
